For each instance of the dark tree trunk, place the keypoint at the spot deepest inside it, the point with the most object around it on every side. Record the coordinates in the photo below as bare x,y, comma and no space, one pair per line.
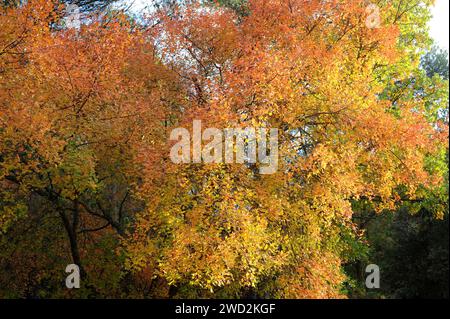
71,229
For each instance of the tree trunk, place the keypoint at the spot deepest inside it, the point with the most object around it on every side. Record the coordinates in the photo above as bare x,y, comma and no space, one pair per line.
71,229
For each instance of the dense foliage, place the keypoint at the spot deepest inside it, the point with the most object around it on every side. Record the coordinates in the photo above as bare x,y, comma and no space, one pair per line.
86,177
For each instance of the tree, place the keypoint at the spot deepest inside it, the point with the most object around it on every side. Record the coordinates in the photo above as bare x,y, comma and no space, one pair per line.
436,62
85,121
228,230
71,105
413,239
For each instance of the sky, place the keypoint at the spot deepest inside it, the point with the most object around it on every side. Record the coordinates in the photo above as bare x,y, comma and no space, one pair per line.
439,25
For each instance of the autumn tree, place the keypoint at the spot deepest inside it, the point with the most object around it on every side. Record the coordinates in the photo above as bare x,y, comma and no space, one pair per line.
413,239
85,120
317,72
76,108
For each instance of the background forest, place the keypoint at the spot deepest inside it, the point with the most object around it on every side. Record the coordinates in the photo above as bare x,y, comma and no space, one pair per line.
361,105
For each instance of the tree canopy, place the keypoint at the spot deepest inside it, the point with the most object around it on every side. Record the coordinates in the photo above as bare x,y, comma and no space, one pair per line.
85,120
